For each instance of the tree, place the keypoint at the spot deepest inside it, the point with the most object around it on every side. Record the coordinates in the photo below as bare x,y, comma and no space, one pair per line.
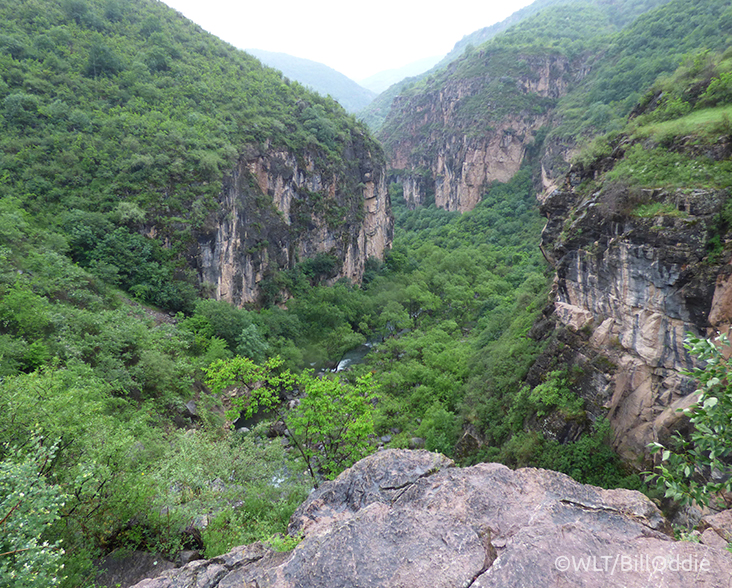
698,468
259,386
102,61
28,506
21,109
75,9
330,425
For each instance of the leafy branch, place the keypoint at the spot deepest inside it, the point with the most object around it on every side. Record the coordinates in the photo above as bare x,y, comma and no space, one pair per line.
699,468
330,424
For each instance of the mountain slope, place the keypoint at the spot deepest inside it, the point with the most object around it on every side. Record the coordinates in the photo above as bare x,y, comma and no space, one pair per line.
385,79
375,114
639,239
621,13
125,119
319,77
650,47
470,123
480,36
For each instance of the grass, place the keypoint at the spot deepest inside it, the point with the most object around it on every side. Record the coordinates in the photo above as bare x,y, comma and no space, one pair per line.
659,168
657,209
706,124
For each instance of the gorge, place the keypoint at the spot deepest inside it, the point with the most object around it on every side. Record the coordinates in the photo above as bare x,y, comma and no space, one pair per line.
528,237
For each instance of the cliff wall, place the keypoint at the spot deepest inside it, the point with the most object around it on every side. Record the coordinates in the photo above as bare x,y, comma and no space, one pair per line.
473,124
278,208
631,286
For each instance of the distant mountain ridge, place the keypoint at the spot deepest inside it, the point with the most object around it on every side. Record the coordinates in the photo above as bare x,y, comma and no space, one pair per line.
387,78
319,77
453,131
376,112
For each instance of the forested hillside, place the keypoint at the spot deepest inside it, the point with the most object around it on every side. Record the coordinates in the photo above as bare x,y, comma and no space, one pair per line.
619,14
139,410
652,46
121,119
573,69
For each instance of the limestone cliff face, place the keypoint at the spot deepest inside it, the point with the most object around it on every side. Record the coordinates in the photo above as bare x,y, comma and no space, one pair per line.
634,287
473,127
278,208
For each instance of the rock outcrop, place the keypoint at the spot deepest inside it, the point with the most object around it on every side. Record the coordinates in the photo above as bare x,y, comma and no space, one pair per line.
636,285
278,208
410,519
473,126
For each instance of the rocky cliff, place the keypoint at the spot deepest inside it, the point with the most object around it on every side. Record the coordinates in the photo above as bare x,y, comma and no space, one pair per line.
473,123
411,519
278,208
629,286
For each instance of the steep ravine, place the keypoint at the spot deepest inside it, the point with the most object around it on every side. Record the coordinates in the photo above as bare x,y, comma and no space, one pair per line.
278,209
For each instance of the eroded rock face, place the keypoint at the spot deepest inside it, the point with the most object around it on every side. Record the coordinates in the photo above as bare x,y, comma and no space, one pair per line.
449,142
638,285
278,209
410,519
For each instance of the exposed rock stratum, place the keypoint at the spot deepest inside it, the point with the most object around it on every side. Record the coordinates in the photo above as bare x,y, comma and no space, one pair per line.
278,208
410,519
636,285
449,141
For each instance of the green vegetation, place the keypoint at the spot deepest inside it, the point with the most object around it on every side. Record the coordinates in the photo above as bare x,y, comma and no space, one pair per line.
496,77
119,122
106,380
672,140
330,425
28,506
657,209
695,470
659,167
622,46
571,29
536,24
127,478
650,46
708,123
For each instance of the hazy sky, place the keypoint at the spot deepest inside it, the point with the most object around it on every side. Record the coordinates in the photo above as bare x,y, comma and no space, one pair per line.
358,39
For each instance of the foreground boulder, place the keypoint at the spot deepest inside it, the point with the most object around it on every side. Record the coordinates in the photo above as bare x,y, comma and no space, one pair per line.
411,519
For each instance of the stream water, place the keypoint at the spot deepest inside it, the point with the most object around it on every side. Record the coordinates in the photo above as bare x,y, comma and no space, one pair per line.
354,356
350,358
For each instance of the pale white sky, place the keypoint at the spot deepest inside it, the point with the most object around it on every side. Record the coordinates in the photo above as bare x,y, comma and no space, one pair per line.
358,39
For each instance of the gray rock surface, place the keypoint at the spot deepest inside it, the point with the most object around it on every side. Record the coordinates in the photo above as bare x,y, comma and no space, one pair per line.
435,148
409,519
721,523
122,570
243,240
